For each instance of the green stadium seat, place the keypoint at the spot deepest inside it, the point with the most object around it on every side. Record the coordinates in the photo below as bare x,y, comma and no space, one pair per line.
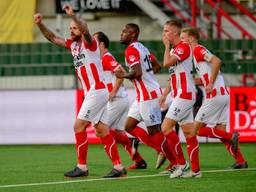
35,58
25,58
25,48
15,59
4,48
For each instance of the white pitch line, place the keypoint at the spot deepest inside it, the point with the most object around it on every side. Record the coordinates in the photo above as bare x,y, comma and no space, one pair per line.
122,178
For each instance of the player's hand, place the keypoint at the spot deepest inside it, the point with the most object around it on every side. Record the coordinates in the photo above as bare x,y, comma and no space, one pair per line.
165,40
38,18
112,95
162,100
119,73
68,9
208,88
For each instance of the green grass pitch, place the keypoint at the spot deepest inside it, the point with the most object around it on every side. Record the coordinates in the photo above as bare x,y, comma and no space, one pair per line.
40,168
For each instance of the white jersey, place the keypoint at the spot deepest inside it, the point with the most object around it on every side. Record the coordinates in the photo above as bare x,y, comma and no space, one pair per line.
201,61
110,65
147,87
181,79
88,65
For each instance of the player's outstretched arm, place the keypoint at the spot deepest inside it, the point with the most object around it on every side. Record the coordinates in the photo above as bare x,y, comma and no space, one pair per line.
82,26
48,33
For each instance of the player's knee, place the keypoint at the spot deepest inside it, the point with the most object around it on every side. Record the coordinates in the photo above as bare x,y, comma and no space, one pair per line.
128,128
190,133
165,129
78,128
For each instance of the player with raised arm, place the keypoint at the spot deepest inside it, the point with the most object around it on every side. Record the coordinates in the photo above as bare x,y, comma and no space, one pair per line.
118,102
86,56
146,107
179,61
214,109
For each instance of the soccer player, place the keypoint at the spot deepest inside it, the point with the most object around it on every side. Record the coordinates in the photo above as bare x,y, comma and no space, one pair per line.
86,56
118,104
216,103
146,107
179,61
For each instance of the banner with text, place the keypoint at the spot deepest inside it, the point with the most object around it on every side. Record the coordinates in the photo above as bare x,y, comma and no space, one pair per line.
98,5
243,112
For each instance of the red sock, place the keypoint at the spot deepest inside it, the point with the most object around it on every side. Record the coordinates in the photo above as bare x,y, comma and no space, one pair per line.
193,152
81,147
120,136
111,149
239,156
144,137
174,142
123,139
169,153
214,133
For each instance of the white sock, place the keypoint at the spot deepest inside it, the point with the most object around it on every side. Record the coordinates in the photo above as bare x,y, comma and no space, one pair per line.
82,167
119,167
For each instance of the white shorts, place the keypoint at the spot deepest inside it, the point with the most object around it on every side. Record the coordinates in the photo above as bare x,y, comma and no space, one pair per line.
214,110
147,111
116,113
94,105
181,110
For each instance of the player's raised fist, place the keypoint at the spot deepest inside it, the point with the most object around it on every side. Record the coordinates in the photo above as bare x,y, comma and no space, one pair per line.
38,18
68,9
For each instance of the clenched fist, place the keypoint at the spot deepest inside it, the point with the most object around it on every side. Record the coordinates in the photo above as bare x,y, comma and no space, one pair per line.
68,9
38,18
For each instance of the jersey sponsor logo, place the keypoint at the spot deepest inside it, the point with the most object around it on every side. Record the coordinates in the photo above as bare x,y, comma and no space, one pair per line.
132,58
78,60
171,70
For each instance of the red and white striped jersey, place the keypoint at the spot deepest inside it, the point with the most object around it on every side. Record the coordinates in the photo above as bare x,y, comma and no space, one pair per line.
147,87
87,63
110,65
202,63
181,78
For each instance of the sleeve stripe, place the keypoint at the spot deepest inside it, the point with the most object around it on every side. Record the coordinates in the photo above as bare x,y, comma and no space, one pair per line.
176,56
134,63
118,66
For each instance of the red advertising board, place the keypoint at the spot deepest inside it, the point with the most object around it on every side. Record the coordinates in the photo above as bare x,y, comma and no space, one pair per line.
243,112
90,129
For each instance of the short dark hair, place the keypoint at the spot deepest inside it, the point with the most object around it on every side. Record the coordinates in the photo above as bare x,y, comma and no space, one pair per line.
135,27
102,37
192,31
175,23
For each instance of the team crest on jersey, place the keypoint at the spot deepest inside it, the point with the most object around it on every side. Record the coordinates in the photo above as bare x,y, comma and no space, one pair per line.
180,51
132,58
113,63
203,51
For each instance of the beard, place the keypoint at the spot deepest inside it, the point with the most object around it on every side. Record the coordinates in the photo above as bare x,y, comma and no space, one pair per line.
75,37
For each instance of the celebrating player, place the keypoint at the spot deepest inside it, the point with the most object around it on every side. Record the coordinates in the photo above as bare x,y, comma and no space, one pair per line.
118,104
179,61
216,103
146,108
86,56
